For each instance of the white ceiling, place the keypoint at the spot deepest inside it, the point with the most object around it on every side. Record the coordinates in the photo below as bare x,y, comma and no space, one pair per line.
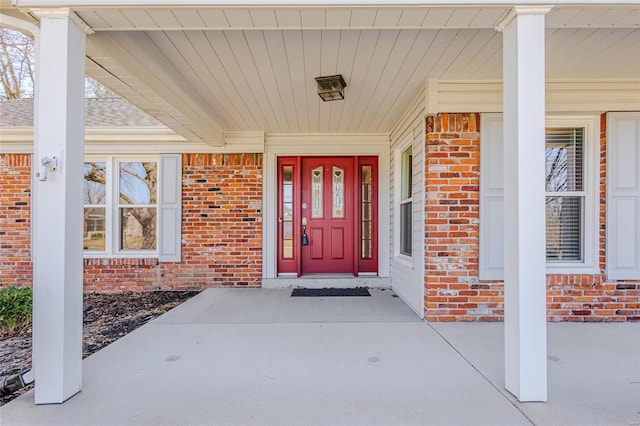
206,70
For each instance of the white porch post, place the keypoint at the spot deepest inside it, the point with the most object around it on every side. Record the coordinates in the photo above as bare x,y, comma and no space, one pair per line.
57,205
524,200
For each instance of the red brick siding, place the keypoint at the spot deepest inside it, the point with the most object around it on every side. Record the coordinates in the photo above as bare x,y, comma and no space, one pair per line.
221,231
15,220
453,291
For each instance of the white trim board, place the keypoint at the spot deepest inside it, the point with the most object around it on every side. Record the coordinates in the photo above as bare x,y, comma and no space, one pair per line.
312,3
151,140
588,96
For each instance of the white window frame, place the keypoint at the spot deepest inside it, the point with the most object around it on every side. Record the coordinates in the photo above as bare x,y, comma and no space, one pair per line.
492,191
112,207
398,201
591,189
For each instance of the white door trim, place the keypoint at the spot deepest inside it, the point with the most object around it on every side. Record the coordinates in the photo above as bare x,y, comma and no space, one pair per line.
277,145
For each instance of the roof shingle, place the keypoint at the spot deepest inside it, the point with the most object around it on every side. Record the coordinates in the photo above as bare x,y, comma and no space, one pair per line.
99,112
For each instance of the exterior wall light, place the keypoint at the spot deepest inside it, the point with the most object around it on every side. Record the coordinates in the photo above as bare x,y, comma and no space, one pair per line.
331,88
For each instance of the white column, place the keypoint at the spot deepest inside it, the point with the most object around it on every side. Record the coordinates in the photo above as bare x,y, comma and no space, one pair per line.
524,203
57,207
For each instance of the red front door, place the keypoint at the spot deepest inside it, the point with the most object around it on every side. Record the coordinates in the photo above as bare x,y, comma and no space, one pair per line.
327,215
328,210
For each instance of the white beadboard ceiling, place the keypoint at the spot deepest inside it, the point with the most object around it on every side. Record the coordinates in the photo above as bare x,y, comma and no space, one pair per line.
205,70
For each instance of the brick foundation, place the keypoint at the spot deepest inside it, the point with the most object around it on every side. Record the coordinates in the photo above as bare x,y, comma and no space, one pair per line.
221,230
453,291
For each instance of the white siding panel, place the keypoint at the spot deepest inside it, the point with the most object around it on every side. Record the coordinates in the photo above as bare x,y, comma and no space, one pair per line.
329,66
188,18
214,18
407,275
387,18
338,18
264,18
115,18
94,19
363,17
313,18
312,44
436,17
141,18
239,18
266,77
412,18
277,51
164,18
288,18
623,196
462,17
392,68
487,18
293,43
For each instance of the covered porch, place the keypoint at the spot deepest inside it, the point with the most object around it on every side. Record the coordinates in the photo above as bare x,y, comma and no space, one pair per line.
240,80
258,356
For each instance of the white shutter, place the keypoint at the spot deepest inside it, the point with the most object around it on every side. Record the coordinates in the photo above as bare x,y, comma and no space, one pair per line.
623,196
170,208
491,263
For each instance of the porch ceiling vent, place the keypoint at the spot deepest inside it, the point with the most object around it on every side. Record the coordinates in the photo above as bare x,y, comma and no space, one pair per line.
331,88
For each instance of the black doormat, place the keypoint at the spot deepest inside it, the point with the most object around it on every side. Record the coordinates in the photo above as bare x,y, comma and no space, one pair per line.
326,292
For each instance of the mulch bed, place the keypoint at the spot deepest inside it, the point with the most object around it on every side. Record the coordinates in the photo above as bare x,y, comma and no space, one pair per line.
110,317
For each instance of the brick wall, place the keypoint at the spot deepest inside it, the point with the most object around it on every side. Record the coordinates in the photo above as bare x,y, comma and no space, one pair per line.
221,230
452,167
453,291
15,222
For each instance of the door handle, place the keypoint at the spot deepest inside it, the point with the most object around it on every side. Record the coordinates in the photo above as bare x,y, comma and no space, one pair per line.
305,238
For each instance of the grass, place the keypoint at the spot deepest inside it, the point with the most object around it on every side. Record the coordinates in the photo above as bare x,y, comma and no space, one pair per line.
15,310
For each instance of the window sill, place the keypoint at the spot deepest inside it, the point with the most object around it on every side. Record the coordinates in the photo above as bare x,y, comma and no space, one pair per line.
569,269
404,260
138,255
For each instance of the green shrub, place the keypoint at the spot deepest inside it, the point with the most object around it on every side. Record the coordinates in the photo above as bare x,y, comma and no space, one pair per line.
15,309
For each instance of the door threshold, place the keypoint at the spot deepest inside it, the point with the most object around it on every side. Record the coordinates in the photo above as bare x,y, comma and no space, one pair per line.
326,281
326,276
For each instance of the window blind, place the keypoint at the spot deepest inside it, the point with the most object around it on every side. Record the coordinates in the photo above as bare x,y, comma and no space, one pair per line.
565,196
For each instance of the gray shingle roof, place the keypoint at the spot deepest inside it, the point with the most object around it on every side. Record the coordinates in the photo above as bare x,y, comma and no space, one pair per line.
99,112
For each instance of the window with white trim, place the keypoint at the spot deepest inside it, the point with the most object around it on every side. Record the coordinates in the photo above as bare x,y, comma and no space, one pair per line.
406,202
565,194
571,188
121,206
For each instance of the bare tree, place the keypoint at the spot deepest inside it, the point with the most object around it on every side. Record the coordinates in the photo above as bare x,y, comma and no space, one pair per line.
138,185
93,89
17,68
16,64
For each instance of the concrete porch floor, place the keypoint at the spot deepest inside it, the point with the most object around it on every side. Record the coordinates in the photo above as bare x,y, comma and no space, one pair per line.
260,357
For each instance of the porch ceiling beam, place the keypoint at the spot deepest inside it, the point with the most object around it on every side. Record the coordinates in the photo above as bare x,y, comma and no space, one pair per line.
350,3
524,204
161,77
